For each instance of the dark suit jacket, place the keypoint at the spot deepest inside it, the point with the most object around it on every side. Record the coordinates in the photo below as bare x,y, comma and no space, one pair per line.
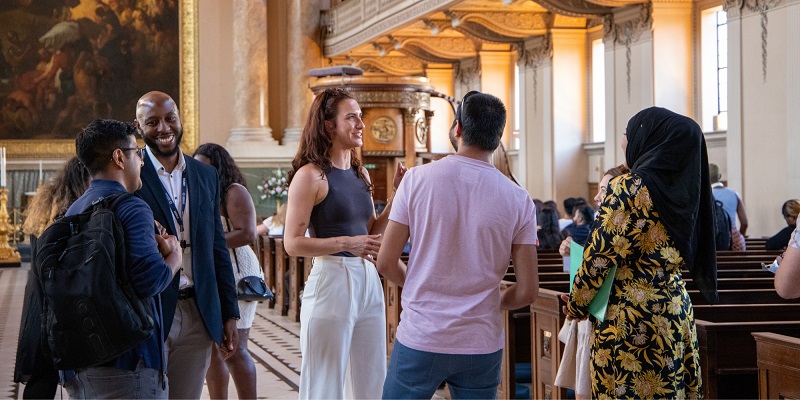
212,271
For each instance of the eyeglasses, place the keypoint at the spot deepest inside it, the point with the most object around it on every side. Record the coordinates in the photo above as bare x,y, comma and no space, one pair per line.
464,101
139,150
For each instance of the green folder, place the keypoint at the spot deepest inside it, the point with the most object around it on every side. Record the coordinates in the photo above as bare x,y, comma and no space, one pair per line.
599,304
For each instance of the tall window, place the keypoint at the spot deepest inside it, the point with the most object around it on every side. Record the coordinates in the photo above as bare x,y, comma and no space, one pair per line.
714,66
598,91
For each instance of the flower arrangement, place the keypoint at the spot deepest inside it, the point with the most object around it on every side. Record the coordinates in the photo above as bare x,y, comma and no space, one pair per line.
274,186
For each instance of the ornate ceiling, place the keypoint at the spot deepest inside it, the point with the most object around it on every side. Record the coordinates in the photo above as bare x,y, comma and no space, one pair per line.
403,37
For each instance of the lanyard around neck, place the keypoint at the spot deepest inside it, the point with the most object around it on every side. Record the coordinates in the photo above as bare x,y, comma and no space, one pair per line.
178,215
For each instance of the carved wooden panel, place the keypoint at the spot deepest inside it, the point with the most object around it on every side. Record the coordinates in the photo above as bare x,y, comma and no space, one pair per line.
383,129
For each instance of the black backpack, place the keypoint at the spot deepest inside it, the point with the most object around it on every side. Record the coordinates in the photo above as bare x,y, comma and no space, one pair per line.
722,227
91,314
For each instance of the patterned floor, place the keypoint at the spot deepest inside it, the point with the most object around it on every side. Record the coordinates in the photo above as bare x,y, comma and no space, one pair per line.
274,345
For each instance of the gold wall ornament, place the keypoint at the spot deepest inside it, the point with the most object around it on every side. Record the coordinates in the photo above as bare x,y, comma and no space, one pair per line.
421,128
52,148
8,255
383,129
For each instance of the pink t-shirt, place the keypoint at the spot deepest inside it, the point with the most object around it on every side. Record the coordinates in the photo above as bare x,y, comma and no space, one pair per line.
463,216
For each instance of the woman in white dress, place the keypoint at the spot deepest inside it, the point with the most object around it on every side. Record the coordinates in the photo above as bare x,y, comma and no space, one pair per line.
239,223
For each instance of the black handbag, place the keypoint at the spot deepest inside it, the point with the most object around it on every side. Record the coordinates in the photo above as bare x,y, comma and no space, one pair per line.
250,288
253,288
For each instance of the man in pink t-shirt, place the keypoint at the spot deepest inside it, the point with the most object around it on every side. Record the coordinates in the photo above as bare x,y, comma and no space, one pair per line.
465,220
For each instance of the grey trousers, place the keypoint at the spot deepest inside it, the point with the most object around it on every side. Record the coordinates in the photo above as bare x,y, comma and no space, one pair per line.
188,349
114,383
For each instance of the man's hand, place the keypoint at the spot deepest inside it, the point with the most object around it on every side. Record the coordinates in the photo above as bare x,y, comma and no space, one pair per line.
230,339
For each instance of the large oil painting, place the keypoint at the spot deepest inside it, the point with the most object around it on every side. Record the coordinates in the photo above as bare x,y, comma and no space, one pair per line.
67,62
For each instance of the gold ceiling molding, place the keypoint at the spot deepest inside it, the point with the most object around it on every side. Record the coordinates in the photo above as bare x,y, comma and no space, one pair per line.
513,24
616,3
574,8
354,22
400,66
444,47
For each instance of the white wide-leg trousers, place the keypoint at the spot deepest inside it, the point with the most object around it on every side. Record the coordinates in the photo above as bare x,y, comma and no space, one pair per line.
342,330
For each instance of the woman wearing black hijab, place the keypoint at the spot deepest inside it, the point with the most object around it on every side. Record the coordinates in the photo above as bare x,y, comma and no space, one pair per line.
652,221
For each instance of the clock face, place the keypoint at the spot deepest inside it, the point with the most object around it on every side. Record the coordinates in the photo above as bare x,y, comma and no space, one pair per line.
383,129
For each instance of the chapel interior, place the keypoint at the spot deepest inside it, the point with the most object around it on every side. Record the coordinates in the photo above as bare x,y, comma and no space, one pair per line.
570,72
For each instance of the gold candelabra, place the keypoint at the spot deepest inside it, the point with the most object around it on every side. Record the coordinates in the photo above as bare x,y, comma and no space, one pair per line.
8,254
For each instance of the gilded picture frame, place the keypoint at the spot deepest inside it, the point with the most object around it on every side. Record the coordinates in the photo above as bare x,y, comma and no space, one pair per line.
58,148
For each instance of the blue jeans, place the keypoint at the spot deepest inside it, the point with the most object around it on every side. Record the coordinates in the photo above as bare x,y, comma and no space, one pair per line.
415,374
115,383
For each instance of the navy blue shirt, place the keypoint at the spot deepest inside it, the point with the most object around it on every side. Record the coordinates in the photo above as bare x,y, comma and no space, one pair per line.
148,273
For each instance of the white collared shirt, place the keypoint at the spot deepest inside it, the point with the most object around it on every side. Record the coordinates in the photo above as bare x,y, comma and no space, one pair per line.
172,186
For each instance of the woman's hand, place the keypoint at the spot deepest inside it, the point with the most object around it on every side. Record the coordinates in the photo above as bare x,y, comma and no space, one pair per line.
565,246
400,171
565,299
364,246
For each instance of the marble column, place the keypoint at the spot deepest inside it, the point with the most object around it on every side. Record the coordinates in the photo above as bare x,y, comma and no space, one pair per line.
303,54
251,132
409,132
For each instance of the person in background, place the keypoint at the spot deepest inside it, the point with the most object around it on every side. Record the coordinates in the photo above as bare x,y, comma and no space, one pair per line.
569,211
550,236
579,230
238,216
653,222
732,203
273,225
787,277
51,200
790,210
343,318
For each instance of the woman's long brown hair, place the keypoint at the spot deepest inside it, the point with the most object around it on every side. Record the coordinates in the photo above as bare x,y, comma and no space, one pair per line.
316,142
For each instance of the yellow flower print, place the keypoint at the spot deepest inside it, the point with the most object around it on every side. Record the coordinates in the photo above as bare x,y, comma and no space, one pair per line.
615,220
672,255
600,263
653,237
602,357
639,292
624,272
662,327
643,200
675,305
583,296
612,312
648,385
621,246
608,382
629,362
617,185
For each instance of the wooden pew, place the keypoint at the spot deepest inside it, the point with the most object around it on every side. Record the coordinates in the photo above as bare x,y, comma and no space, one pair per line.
266,255
728,361
281,263
778,366
297,279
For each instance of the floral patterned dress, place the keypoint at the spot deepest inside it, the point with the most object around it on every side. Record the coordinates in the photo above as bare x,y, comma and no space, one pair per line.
647,345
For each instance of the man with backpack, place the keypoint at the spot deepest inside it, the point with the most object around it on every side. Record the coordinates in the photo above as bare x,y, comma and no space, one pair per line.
151,258
732,203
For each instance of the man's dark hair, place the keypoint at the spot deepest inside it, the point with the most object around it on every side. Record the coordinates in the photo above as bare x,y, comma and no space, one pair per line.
99,139
483,118
569,206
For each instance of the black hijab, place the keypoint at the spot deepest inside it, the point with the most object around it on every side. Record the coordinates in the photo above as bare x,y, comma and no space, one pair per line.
668,151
